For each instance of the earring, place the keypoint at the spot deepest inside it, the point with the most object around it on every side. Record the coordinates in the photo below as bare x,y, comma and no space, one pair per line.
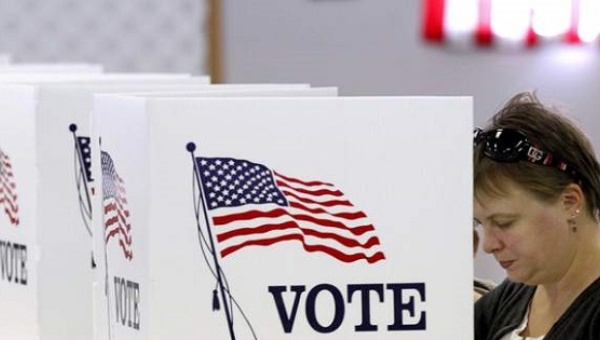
572,223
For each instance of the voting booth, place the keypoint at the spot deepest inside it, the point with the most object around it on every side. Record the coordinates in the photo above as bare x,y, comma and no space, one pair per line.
283,218
48,265
51,68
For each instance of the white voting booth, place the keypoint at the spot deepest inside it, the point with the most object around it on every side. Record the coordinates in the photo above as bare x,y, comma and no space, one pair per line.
68,68
46,279
284,218
32,152
48,77
249,91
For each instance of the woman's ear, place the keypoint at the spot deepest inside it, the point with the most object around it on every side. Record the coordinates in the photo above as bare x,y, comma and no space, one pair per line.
573,199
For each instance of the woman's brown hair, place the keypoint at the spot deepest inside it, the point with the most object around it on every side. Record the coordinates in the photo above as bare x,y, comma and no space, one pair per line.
548,130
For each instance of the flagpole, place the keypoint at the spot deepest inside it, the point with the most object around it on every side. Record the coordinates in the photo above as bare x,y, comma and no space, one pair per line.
191,147
106,284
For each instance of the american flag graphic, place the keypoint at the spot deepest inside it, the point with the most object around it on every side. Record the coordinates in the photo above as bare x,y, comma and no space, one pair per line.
83,144
251,205
8,190
116,213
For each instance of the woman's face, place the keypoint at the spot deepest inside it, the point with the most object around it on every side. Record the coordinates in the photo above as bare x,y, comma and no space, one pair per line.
529,238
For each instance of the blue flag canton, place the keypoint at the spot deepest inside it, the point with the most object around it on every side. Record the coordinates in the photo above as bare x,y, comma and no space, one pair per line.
86,158
109,188
229,182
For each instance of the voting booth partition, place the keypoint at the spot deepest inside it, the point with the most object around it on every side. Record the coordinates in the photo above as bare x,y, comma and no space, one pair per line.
47,263
47,68
49,77
18,249
282,218
249,91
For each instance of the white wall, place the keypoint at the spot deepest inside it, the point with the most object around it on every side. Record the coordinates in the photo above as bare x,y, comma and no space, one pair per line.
374,48
130,35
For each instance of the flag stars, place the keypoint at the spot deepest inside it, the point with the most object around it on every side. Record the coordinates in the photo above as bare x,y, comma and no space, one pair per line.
229,182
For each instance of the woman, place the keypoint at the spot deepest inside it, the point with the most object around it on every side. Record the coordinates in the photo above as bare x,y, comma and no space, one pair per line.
537,201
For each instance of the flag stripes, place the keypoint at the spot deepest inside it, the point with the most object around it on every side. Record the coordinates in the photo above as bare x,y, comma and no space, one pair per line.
278,208
8,190
116,212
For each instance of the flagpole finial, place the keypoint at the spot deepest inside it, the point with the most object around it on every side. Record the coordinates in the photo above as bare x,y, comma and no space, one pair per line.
191,147
73,127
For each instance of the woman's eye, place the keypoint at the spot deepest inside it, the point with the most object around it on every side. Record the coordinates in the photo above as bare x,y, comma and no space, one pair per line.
504,225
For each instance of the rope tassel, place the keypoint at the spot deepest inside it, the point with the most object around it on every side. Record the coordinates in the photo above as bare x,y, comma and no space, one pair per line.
216,305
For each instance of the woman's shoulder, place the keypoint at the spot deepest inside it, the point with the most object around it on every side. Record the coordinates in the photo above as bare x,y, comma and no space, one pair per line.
582,319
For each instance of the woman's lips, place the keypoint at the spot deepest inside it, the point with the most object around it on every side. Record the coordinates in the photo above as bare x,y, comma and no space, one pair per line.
506,264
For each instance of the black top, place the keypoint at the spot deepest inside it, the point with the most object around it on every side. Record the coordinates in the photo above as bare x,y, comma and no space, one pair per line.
503,309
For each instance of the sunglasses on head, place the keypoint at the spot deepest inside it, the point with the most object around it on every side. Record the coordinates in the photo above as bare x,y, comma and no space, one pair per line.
511,146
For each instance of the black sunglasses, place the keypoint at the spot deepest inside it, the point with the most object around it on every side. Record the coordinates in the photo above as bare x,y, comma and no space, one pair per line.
511,146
